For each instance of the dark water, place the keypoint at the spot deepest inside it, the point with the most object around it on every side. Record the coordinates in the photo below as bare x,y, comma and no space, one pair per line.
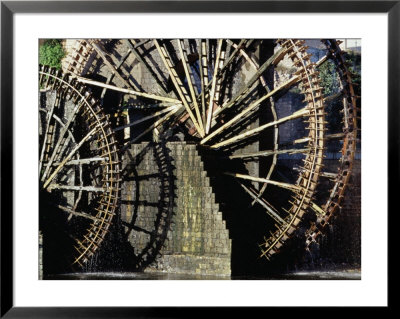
353,274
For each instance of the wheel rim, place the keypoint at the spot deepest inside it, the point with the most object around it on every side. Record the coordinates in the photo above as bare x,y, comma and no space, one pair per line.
76,136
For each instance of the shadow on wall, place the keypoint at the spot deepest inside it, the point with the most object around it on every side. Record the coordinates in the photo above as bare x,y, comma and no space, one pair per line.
118,254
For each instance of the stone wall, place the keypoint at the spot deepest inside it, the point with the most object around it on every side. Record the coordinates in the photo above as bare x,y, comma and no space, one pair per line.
197,241
40,255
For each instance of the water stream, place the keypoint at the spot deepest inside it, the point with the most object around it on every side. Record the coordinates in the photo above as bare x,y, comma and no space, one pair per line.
350,274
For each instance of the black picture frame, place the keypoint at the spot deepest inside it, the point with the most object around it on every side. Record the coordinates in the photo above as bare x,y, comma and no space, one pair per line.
9,8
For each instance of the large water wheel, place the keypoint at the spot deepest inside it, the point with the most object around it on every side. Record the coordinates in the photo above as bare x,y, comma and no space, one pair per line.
79,171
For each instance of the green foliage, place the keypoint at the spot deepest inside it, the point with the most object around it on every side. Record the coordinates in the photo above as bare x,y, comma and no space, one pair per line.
51,53
329,80
331,84
354,60
295,89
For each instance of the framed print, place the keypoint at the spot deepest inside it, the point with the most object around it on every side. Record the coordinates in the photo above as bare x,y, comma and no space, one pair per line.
189,151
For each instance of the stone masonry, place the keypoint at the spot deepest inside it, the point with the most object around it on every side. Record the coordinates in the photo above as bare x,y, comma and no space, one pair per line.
198,241
40,256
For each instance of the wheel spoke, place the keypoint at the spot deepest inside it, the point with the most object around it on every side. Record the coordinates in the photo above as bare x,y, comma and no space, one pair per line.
168,109
232,56
64,147
322,61
264,180
246,89
178,84
204,76
111,76
271,211
68,157
72,212
318,210
269,153
49,116
128,91
61,137
329,175
85,161
75,188
243,114
332,97
335,136
113,70
143,61
213,99
189,77
226,64
152,127
249,133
